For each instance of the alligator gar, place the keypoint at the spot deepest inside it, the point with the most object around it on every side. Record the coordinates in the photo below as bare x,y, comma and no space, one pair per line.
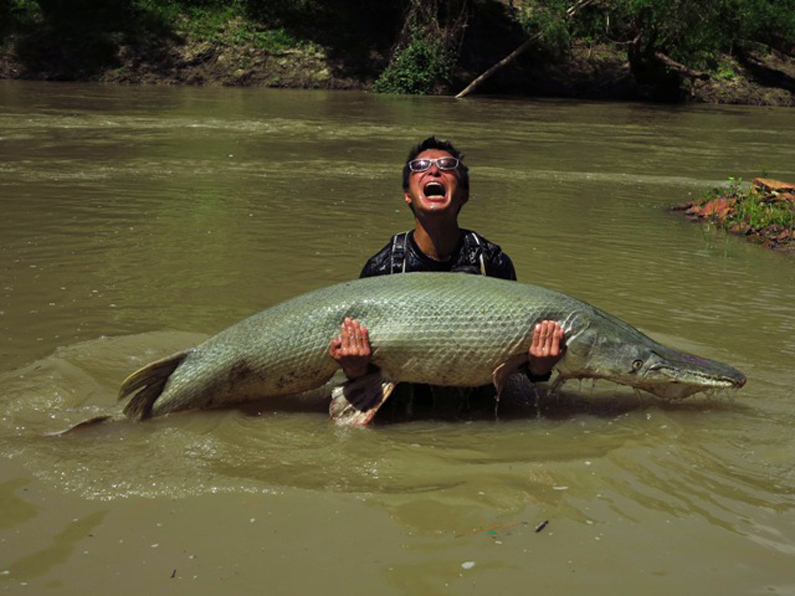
450,329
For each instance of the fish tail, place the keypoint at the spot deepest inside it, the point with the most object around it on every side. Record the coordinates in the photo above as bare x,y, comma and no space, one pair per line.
146,384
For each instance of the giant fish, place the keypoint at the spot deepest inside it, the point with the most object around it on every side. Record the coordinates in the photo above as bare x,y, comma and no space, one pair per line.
450,329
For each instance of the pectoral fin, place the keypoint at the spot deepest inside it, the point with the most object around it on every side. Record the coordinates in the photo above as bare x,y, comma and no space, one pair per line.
96,420
356,402
504,371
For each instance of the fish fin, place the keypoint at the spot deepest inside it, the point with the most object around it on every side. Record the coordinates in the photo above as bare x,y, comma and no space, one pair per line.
356,402
503,372
147,384
94,421
557,384
519,391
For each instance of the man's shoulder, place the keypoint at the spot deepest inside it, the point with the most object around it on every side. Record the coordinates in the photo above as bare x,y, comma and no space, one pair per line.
487,246
381,262
490,250
498,264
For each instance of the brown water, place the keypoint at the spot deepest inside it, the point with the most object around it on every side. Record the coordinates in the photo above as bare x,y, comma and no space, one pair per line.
138,221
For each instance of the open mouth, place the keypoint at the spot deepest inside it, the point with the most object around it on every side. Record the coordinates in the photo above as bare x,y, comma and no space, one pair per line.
434,190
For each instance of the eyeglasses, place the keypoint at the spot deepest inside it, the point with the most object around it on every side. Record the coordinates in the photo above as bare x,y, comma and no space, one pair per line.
443,163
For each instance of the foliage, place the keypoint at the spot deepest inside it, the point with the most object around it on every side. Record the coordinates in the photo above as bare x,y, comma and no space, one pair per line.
724,68
422,38
694,32
17,14
547,20
226,24
427,49
418,68
753,210
284,13
84,36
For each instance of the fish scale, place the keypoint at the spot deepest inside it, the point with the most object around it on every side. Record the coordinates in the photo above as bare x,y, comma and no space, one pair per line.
450,329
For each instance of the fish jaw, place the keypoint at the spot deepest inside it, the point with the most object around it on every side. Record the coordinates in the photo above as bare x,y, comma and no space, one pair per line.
628,357
676,375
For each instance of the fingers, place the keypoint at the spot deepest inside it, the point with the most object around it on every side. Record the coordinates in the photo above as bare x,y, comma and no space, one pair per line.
541,339
546,347
547,339
351,350
555,339
354,338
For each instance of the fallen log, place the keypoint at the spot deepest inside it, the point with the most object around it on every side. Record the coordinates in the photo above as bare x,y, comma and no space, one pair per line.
570,12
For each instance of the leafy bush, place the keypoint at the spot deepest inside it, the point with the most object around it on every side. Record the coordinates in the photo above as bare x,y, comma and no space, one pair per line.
547,20
421,67
427,48
694,32
17,14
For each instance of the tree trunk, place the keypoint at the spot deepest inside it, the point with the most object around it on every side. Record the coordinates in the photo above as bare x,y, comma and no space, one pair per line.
570,12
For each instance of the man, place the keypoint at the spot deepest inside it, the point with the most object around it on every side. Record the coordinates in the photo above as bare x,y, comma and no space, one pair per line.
436,187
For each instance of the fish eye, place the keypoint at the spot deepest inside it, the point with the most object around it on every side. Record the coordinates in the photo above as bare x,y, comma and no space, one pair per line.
637,364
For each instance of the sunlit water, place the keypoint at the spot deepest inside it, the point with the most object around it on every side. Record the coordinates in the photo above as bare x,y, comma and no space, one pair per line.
139,221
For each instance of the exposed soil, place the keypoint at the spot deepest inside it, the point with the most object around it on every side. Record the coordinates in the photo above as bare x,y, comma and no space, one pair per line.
588,72
194,63
726,210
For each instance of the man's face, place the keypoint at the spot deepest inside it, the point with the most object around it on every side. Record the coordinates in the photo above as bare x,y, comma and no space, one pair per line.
435,191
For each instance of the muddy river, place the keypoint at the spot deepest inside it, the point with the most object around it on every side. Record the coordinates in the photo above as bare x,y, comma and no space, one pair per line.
135,222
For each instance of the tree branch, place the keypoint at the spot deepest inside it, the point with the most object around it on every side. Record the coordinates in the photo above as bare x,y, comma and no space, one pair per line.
570,12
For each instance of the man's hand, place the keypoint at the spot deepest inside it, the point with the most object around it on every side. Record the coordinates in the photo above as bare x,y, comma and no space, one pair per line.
351,350
546,348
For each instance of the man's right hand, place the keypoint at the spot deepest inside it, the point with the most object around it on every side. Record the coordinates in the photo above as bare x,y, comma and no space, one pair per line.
351,350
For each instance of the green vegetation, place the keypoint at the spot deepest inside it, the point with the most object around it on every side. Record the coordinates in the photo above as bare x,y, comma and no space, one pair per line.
766,211
756,210
695,32
406,46
420,67
86,39
547,20
427,49
669,42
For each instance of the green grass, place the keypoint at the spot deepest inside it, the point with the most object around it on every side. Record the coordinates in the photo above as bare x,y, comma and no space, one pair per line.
754,211
757,214
724,69
419,68
228,25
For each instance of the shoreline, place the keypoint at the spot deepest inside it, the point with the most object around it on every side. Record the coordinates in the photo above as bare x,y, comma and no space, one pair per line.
765,214
596,72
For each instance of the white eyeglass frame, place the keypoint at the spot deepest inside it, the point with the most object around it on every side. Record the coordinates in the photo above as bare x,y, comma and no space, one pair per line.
433,161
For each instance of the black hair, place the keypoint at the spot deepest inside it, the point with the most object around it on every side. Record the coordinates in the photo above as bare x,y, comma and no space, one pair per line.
434,143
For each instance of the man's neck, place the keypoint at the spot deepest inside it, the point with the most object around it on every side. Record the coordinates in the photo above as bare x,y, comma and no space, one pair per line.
437,239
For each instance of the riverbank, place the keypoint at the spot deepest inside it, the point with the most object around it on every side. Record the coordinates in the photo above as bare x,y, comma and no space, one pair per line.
235,50
765,214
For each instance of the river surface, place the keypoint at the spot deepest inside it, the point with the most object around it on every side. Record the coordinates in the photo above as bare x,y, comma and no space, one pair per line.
137,221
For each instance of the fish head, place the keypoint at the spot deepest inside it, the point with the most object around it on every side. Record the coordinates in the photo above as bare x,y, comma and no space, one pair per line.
672,374
607,348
